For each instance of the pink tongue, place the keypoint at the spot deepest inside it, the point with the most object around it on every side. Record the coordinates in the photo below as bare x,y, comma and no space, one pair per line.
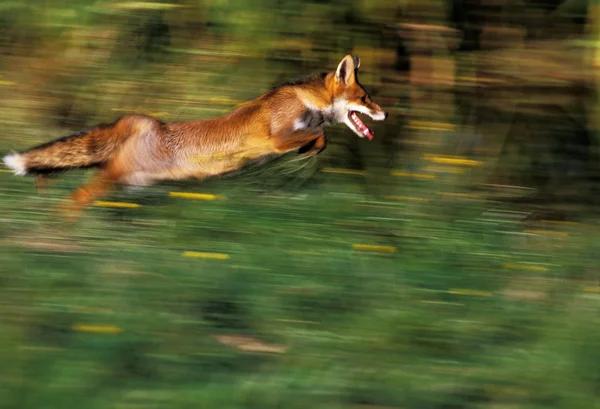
362,127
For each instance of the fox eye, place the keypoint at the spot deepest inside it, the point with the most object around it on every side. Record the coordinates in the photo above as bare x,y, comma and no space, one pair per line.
363,99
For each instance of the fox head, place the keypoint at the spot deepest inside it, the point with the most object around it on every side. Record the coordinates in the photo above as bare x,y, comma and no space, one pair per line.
350,99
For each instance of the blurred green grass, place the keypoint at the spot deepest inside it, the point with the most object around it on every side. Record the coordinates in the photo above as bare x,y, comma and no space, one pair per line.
452,317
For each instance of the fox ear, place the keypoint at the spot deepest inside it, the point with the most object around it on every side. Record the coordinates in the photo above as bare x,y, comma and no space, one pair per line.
345,70
356,62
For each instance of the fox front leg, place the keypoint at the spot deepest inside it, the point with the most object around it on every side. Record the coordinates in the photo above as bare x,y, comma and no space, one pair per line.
314,147
300,140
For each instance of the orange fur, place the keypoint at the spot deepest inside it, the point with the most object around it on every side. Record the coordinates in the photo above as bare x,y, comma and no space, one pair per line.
140,150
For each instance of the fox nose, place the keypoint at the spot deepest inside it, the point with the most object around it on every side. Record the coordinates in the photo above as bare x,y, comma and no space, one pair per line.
385,115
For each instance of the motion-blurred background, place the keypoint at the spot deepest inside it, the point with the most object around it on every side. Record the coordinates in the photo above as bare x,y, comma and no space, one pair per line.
452,262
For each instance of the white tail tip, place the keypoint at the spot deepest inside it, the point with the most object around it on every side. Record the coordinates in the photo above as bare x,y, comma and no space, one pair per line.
15,163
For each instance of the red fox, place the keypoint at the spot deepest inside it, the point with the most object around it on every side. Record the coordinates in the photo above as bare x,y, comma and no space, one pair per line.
140,150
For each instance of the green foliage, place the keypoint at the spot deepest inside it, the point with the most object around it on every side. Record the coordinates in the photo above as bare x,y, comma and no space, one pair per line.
360,328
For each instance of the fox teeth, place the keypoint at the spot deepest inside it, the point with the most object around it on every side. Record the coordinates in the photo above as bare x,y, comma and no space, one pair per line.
362,129
359,124
357,121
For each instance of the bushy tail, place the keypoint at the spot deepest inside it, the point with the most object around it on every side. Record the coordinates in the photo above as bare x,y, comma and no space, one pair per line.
87,148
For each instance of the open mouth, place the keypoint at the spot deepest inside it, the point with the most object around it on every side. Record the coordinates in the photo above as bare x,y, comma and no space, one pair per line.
359,127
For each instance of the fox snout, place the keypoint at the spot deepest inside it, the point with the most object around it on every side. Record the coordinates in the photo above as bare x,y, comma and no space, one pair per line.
377,113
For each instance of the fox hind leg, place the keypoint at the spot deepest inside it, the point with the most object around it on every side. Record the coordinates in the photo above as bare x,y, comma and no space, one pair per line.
83,197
